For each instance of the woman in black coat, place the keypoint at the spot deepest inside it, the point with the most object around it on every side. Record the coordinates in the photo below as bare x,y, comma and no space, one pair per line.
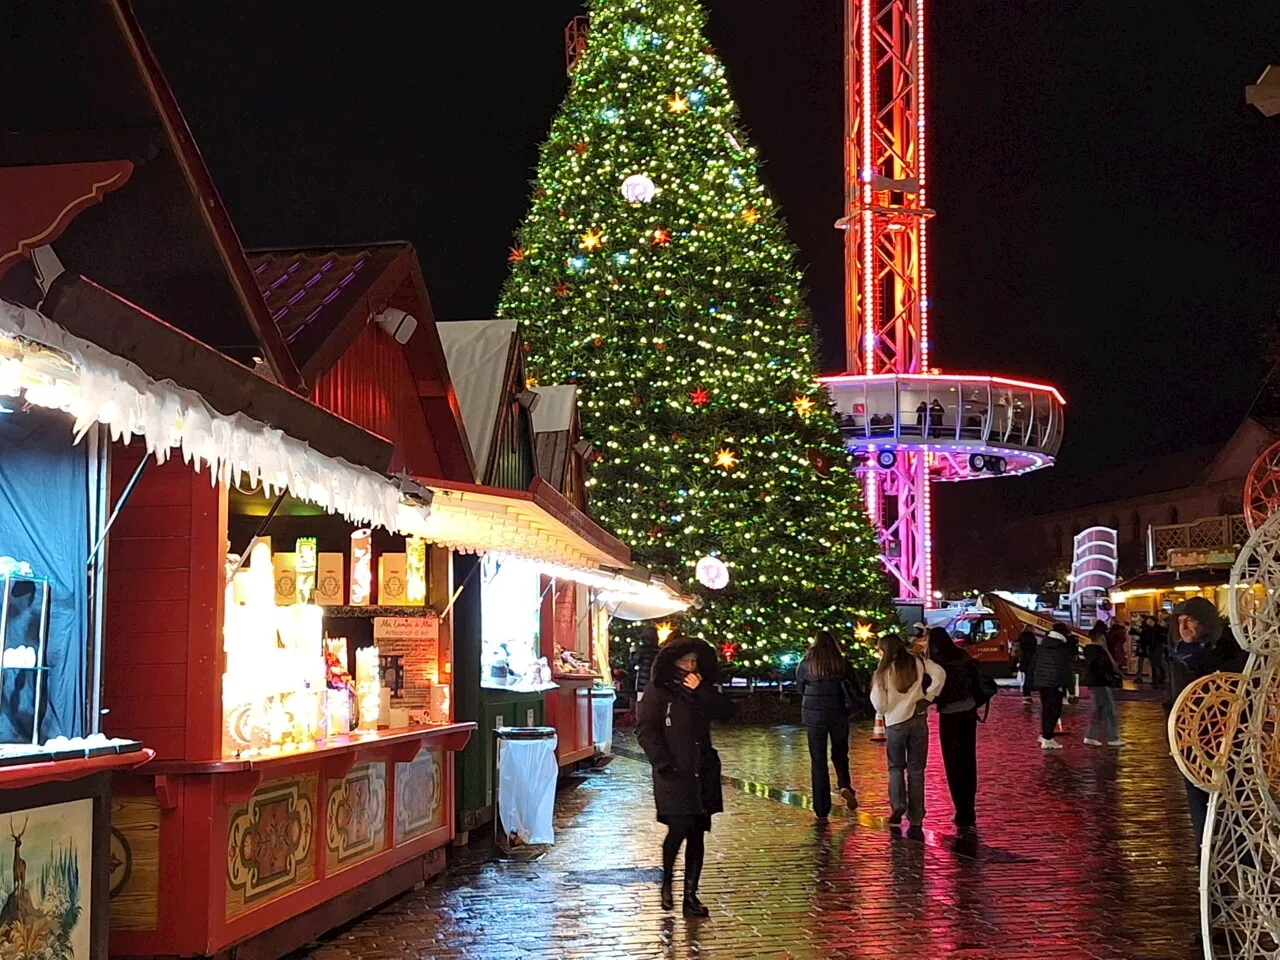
1055,673
958,723
822,680
674,728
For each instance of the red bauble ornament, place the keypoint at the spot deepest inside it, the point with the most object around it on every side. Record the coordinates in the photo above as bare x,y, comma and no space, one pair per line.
598,341
700,397
659,345
821,463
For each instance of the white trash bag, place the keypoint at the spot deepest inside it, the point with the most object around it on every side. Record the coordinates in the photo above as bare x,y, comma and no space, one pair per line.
527,773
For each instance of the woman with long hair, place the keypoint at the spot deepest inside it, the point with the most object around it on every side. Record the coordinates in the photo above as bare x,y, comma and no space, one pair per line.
958,723
903,687
822,679
674,728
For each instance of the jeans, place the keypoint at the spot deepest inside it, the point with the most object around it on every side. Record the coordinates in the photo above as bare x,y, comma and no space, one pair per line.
839,736
908,750
1050,711
958,735
1158,676
1137,673
1103,720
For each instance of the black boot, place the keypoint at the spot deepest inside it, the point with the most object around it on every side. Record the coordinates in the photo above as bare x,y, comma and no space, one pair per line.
668,896
693,907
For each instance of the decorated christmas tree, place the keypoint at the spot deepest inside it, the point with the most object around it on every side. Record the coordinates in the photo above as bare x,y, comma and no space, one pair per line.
653,270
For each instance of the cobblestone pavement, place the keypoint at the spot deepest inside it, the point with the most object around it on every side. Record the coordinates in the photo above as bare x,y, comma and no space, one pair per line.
1081,853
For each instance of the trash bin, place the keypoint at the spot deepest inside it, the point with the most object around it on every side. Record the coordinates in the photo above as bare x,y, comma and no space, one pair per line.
525,774
602,701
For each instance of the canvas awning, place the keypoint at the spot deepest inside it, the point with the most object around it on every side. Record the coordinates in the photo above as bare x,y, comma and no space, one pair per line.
50,367
538,524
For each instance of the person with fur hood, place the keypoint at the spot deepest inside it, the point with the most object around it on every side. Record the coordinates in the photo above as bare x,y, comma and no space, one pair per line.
673,726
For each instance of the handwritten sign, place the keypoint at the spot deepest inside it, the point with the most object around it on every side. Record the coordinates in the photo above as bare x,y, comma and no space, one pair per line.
416,642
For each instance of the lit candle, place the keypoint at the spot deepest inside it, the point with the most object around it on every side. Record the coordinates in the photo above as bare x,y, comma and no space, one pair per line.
361,567
305,553
368,687
416,570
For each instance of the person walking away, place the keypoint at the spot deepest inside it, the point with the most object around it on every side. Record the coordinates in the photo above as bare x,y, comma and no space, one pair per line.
822,680
1158,651
1146,647
674,729
1027,641
958,723
642,657
1055,672
1102,676
1118,644
899,694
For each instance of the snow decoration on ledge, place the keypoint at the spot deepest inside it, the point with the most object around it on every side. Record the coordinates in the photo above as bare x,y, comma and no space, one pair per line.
99,387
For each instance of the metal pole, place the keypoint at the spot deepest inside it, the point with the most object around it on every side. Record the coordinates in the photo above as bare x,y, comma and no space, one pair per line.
262,528
133,482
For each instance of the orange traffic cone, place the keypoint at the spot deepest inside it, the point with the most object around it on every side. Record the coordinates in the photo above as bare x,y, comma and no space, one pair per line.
878,734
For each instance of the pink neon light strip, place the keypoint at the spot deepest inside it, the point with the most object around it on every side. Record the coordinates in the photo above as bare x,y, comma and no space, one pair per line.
923,200
960,377
865,173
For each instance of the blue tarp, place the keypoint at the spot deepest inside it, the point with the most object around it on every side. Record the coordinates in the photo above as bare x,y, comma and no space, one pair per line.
44,509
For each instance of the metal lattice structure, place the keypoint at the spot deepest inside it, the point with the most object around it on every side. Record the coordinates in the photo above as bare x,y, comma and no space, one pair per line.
1262,487
1224,733
886,267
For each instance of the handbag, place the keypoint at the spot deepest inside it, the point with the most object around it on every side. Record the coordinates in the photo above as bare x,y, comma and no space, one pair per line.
848,698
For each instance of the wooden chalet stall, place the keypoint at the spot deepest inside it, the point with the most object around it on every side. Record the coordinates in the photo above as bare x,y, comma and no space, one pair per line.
525,447
264,822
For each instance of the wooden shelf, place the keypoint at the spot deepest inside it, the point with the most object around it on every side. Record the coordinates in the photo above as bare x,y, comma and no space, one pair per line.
349,612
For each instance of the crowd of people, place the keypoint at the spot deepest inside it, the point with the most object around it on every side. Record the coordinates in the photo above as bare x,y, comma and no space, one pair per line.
678,702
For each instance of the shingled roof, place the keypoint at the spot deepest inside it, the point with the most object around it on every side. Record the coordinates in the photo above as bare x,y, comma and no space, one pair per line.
309,293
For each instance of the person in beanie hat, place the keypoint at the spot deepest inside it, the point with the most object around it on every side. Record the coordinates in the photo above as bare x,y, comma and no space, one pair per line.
674,729
1054,675
1194,628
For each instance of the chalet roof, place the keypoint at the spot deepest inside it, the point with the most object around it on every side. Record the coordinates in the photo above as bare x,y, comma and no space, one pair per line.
309,292
163,240
553,433
479,354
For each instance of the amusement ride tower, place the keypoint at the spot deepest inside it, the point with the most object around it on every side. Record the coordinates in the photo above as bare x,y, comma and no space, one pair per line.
907,424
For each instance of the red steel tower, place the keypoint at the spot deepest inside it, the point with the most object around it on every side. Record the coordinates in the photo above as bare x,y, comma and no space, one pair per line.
907,424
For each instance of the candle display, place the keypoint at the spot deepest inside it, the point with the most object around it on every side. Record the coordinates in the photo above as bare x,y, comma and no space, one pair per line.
415,571
305,554
368,688
361,567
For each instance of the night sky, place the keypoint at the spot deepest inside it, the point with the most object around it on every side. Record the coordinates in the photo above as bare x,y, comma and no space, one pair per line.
1108,207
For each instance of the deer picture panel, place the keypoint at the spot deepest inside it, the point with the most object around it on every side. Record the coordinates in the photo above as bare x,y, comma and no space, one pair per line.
46,857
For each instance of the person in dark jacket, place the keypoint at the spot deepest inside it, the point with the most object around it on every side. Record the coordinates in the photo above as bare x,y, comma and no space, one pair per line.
1027,641
642,657
674,728
822,680
958,723
1101,676
1054,674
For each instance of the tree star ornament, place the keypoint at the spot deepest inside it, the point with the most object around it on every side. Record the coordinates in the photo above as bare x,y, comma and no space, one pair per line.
700,397
638,188
864,632
726,460
751,216
591,240
678,104
661,237
804,405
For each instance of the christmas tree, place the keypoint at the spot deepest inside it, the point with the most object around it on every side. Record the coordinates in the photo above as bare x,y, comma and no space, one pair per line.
653,270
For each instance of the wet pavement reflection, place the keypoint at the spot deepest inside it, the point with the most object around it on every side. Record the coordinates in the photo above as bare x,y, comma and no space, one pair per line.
1080,853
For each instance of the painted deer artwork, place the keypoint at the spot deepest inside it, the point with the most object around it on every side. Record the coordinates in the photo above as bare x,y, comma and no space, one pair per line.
19,865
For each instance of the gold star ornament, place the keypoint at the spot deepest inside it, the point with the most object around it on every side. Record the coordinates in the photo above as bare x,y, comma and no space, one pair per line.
678,104
591,240
726,460
864,633
804,406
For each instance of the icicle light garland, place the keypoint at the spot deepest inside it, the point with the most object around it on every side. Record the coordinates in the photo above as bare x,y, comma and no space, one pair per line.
98,387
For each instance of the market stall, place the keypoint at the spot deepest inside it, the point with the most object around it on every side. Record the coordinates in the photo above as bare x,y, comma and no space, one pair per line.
55,763
272,623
